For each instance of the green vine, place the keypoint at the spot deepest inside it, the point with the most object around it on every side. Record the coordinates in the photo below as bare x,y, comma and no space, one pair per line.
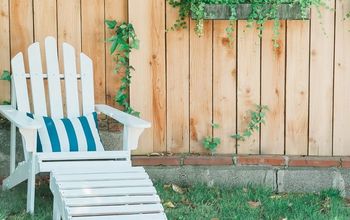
262,10
257,117
123,42
211,143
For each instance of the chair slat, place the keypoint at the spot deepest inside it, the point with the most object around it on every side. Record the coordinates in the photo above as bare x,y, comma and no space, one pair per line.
112,200
19,79
70,73
87,84
53,77
36,79
156,216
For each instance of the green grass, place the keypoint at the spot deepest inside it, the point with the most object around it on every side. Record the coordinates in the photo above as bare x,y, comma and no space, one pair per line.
201,202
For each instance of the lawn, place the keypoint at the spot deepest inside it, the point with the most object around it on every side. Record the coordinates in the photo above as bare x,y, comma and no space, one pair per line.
201,202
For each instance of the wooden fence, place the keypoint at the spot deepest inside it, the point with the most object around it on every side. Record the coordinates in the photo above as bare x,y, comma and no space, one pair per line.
184,83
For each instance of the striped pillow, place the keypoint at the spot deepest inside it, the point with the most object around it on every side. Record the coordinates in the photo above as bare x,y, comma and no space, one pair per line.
68,134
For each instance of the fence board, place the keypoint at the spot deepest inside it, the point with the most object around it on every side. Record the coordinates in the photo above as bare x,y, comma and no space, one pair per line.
148,18
200,86
45,23
4,49
93,42
224,87
114,10
272,89
321,82
342,81
177,86
297,80
248,83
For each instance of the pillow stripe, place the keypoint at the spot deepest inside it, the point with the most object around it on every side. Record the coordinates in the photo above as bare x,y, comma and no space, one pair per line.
53,135
68,134
72,137
91,146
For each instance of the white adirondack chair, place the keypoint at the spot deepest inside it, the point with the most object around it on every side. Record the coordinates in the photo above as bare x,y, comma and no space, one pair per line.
36,162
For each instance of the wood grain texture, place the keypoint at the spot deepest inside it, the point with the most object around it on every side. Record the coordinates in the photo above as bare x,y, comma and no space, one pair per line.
68,30
321,82
148,18
4,48
114,10
272,89
200,86
341,137
93,43
297,81
224,87
177,85
21,25
248,83
45,24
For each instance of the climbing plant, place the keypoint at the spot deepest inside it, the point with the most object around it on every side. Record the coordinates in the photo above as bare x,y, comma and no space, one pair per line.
123,41
259,12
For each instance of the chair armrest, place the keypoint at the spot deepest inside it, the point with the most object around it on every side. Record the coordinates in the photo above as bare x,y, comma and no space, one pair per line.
20,119
122,117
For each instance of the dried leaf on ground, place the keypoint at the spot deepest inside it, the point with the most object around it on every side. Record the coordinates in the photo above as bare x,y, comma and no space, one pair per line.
275,197
188,203
254,204
169,204
214,219
167,186
177,189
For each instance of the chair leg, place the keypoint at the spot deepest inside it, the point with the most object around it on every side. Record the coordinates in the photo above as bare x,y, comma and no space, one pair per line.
56,213
31,186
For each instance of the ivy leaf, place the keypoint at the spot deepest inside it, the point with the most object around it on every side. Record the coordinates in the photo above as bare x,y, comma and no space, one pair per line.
135,44
113,47
6,75
111,24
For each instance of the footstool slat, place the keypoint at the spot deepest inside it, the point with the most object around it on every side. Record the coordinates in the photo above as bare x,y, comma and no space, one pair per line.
104,184
101,176
157,216
115,210
100,169
95,201
108,192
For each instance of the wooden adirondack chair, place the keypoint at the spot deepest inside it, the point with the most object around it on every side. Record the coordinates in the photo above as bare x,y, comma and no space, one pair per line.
36,162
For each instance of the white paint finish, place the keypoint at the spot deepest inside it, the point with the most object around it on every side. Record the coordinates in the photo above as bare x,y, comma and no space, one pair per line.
53,76
87,84
104,184
88,192
111,200
157,216
71,82
36,80
122,117
103,176
13,132
19,118
110,210
83,155
69,165
20,83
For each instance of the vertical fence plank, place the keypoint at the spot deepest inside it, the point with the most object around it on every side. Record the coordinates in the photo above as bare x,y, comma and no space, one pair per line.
224,87
200,86
45,24
297,80
272,89
147,89
114,10
248,82
342,81
93,42
21,26
321,81
68,30
4,49
158,75
177,86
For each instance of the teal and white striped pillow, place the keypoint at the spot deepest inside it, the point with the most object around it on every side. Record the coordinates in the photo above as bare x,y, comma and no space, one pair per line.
68,134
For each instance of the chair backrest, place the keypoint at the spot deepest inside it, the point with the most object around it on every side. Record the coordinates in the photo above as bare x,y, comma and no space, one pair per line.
54,77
